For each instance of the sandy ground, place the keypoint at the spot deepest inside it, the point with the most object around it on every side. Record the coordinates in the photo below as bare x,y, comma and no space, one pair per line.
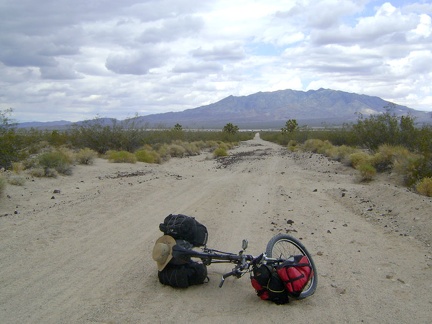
83,255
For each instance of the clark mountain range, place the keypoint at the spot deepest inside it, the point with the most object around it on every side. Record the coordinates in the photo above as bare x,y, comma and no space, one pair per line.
271,110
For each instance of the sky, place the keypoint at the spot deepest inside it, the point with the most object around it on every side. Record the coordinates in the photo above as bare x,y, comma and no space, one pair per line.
80,59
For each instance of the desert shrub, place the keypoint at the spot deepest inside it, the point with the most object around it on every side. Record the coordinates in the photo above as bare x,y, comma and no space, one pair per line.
85,156
18,167
387,155
147,156
413,167
39,172
367,171
220,151
121,157
358,158
191,149
59,161
163,151
176,150
424,187
16,180
316,146
2,184
292,145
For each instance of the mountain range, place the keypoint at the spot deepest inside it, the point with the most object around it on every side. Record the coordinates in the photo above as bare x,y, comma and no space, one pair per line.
272,110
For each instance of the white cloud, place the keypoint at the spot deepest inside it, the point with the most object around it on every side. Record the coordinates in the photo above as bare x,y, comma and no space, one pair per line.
73,60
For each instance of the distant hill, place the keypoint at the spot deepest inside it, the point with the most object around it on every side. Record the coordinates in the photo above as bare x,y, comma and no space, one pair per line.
272,109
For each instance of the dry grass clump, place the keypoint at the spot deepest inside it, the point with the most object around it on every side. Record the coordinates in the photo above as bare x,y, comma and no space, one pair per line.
317,146
424,187
292,146
85,156
220,151
2,184
358,158
121,157
176,150
367,171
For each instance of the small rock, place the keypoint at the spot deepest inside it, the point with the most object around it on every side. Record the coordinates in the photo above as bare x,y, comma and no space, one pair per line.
315,190
56,191
52,197
320,253
16,212
290,222
341,291
328,231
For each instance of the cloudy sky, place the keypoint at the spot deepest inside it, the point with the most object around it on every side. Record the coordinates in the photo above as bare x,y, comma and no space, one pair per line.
78,59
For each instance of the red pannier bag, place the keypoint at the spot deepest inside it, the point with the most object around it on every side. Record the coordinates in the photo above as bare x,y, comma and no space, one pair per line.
295,274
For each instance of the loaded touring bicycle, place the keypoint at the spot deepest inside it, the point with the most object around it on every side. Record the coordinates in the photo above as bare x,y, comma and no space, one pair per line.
284,271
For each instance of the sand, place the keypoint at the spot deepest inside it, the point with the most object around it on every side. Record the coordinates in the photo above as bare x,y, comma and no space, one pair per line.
77,249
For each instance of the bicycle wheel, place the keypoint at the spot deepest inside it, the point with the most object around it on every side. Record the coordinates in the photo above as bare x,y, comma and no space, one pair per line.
284,246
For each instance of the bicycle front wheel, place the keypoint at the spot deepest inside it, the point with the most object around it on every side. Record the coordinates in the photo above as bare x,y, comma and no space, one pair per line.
284,246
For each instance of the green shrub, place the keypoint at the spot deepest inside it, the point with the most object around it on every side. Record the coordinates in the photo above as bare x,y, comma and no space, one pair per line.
358,158
147,156
56,160
2,184
121,157
85,156
220,151
424,187
367,171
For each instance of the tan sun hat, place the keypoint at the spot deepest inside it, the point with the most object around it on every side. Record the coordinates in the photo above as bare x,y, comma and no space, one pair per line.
162,251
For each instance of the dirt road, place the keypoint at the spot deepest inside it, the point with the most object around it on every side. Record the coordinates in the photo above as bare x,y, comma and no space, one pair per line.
83,255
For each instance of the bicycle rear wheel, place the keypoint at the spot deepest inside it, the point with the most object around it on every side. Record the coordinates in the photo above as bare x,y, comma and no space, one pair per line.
284,246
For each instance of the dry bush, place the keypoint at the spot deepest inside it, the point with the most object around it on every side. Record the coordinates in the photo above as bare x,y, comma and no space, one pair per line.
367,171
358,158
2,184
292,145
424,187
176,150
18,167
85,156
16,180
316,146
220,151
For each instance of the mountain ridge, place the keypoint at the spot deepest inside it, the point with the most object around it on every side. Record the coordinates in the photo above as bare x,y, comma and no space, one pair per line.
273,109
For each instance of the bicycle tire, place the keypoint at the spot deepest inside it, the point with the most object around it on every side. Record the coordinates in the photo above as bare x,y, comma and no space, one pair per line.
283,246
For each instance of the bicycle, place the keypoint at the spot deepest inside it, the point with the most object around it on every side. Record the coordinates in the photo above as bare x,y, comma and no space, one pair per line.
280,248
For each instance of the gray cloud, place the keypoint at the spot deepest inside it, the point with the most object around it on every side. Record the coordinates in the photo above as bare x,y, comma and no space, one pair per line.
62,59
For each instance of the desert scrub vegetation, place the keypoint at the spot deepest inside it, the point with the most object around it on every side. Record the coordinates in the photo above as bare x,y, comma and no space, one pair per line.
148,155
120,157
220,151
424,187
2,184
54,162
85,156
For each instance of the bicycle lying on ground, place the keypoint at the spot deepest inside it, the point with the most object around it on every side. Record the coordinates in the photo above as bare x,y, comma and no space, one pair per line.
285,270
281,249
